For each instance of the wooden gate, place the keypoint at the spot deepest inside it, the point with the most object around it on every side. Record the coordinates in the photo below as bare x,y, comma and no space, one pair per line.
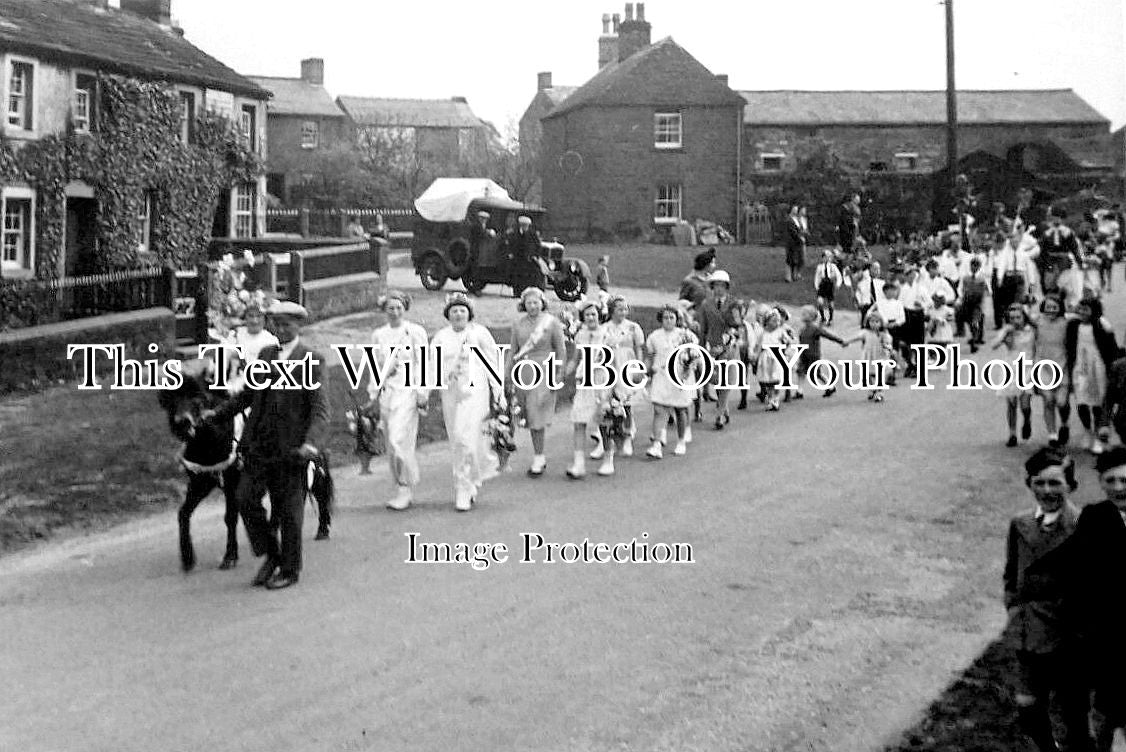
758,226
189,303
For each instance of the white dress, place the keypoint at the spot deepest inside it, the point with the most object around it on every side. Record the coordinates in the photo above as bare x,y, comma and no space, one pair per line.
587,403
398,408
465,403
662,389
769,369
1088,376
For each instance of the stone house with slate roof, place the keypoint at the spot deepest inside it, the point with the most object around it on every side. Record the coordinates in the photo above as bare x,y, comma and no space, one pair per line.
652,138
302,121
54,54
441,132
600,164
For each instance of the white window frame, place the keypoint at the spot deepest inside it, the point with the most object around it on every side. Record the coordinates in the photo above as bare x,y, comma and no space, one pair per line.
75,119
248,124
186,119
673,200
665,135
310,134
906,155
24,267
772,155
243,214
28,112
144,241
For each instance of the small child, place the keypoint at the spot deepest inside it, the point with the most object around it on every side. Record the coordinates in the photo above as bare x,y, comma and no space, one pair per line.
877,353
769,368
940,321
1018,336
602,273
810,335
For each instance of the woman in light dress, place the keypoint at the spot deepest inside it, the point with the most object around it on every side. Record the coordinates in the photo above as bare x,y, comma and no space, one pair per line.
466,398
670,400
537,336
1091,348
400,402
589,400
627,342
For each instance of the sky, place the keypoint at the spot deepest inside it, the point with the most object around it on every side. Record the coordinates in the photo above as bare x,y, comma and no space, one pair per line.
491,52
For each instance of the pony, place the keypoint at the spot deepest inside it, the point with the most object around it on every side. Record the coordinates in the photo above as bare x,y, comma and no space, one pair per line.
211,460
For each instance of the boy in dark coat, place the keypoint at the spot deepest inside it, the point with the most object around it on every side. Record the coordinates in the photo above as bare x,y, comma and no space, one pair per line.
1035,586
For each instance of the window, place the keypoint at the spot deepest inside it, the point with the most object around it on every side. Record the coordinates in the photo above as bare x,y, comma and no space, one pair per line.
248,122
906,161
82,107
310,135
668,204
772,162
17,251
666,130
144,225
244,210
187,117
20,101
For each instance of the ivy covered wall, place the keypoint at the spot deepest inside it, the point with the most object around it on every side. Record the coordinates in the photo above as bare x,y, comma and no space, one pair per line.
135,151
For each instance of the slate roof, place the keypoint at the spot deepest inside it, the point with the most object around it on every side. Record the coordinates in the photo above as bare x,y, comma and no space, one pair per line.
811,108
418,113
662,74
295,96
115,41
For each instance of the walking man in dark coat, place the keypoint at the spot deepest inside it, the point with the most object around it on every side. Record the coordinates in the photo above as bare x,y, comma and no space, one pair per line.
795,245
280,437
524,246
848,223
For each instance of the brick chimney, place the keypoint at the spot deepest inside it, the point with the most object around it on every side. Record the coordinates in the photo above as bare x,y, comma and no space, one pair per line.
608,42
460,100
543,80
633,35
722,78
313,70
159,11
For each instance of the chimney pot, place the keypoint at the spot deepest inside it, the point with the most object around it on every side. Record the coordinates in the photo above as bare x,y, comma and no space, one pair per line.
617,19
641,11
605,24
462,100
313,70
629,11
543,80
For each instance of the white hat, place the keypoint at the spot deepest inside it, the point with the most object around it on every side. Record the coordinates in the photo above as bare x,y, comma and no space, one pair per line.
287,308
483,214
720,276
524,219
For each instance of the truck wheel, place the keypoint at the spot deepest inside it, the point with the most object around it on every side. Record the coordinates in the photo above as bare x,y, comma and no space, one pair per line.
432,272
473,283
571,287
457,255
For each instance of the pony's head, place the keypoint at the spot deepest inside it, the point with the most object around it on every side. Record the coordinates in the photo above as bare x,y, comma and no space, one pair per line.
186,404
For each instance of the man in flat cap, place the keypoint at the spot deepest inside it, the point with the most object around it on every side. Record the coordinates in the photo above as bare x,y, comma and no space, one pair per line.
280,437
479,234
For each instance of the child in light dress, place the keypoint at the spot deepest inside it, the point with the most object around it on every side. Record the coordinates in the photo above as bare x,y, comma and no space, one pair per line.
1018,337
769,367
877,353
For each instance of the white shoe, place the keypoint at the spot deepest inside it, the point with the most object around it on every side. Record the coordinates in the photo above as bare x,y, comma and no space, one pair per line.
1097,446
402,499
598,451
539,463
627,447
463,502
654,451
688,435
681,448
664,436
607,467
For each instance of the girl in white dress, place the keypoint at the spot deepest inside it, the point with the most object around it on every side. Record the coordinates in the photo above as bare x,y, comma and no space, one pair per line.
769,370
465,400
628,343
400,402
1091,348
669,399
586,407
1019,337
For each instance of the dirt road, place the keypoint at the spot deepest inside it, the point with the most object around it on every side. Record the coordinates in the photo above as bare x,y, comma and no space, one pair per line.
847,565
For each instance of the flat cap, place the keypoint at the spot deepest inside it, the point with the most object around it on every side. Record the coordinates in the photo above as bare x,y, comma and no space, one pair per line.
287,308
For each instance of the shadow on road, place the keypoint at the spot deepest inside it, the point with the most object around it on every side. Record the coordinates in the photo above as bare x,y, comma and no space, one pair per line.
975,713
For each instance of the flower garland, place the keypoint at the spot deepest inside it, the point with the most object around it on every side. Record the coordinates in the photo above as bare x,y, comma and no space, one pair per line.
230,299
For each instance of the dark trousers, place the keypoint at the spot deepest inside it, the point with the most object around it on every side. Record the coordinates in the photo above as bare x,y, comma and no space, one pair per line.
1053,677
972,313
1009,291
278,537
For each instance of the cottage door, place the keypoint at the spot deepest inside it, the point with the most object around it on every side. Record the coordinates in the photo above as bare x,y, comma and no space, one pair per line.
80,255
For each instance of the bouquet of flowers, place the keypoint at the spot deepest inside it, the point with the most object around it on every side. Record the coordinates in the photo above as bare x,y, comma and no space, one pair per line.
569,318
230,297
614,418
501,427
363,425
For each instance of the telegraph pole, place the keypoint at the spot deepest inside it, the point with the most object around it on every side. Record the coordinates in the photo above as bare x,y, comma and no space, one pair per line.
952,115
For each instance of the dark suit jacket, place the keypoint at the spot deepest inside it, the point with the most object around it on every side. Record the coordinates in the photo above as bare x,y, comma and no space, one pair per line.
281,420
715,320
795,237
1036,583
695,289
1096,556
